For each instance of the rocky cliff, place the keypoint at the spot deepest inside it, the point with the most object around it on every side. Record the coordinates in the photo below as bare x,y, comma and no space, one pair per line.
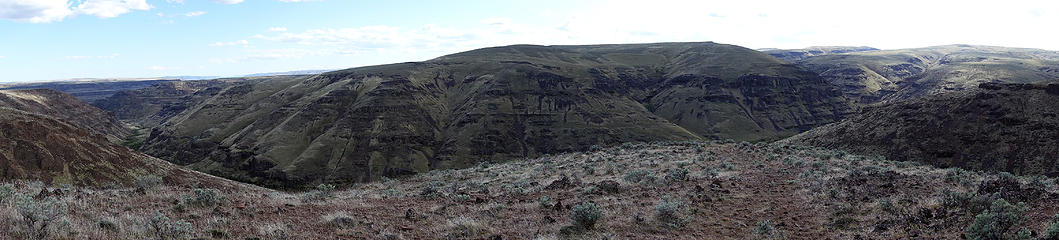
151,106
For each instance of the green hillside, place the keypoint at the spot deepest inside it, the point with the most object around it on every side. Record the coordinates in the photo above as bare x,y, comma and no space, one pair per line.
490,104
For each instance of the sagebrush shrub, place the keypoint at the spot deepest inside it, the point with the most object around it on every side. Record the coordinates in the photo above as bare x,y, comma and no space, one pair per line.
999,222
320,193
164,228
38,216
545,202
7,192
677,175
669,212
340,220
1052,232
586,215
766,230
108,224
636,175
204,197
147,181
970,201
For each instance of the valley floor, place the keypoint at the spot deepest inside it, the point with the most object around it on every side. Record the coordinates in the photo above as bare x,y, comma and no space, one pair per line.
678,190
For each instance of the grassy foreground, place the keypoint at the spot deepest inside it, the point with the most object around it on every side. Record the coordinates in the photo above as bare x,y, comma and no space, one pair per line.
673,190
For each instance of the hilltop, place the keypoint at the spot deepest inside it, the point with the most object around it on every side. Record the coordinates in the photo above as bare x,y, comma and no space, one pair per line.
89,89
489,105
53,151
66,107
877,76
794,55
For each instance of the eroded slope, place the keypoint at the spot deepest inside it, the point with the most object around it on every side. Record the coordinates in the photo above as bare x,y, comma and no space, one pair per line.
491,104
997,127
65,107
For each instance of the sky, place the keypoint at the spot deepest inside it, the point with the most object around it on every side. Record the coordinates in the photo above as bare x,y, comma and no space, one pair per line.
62,39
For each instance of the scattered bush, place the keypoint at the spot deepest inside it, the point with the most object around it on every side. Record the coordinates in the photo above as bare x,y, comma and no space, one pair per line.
588,170
495,209
340,220
514,189
957,175
546,202
465,228
590,190
320,193
1052,232
1040,182
203,197
147,181
888,206
108,225
970,201
393,193
462,198
585,215
164,228
765,230
725,166
636,175
37,216
668,213
710,172
218,234
999,222
677,175
274,231
7,192
431,189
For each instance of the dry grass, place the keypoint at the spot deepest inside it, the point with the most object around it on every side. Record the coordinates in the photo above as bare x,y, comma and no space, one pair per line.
731,191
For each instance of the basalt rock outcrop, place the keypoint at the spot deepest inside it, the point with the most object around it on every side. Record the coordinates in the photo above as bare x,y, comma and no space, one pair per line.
151,106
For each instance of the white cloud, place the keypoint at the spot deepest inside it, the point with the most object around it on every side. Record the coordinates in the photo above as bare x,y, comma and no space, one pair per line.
175,1
228,1
195,14
233,43
754,24
1,57
111,8
35,11
44,11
